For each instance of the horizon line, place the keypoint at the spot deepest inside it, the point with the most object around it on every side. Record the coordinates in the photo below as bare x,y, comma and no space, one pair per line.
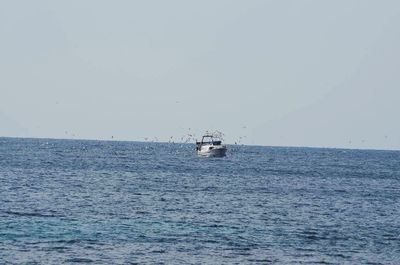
163,142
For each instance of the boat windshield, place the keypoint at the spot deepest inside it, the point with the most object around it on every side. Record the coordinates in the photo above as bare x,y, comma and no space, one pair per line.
208,139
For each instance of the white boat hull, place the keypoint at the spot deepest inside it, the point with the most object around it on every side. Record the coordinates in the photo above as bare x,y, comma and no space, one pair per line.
212,151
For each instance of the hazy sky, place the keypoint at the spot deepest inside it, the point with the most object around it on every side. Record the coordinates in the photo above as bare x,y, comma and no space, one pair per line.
290,73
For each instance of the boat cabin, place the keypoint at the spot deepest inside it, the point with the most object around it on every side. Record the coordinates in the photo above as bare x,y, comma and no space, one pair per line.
208,140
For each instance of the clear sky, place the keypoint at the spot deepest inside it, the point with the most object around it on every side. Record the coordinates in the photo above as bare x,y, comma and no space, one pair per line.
288,73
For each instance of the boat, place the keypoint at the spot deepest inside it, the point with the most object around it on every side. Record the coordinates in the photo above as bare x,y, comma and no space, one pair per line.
210,146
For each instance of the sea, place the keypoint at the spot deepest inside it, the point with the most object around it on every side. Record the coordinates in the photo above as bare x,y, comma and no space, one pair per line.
114,202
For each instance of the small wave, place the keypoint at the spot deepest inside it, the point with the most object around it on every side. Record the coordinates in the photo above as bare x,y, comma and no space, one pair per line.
32,214
79,260
262,261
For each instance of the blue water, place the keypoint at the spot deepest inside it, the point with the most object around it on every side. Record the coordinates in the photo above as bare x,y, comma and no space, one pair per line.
97,202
